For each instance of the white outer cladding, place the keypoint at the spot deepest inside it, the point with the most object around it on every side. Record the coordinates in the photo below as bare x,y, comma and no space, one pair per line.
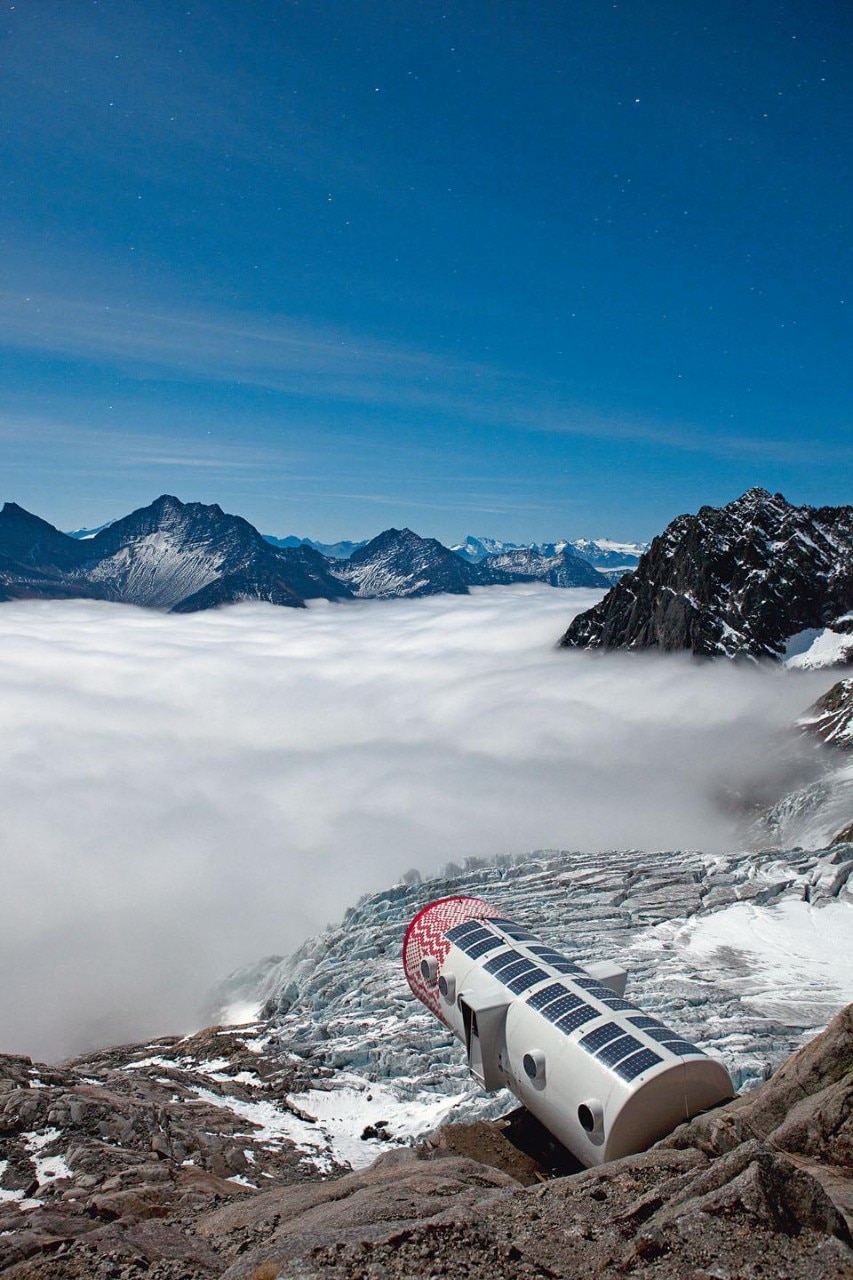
606,1079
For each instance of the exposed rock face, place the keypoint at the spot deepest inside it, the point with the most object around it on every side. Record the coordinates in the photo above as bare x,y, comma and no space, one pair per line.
400,563
188,556
136,1170
760,1187
737,580
106,1162
831,717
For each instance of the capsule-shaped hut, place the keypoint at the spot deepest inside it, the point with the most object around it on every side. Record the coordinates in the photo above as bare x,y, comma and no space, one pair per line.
605,1078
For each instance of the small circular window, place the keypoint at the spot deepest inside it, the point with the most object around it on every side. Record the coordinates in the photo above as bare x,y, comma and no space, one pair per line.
534,1065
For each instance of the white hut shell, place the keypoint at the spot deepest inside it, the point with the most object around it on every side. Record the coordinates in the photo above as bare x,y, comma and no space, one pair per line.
607,1079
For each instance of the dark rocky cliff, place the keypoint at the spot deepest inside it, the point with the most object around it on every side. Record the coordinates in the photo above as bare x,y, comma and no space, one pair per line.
736,580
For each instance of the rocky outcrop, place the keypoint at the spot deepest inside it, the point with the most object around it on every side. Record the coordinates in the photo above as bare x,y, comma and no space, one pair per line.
163,1160
760,1187
106,1162
738,581
831,717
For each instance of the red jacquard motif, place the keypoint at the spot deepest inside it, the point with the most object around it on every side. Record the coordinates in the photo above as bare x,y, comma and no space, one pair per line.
425,936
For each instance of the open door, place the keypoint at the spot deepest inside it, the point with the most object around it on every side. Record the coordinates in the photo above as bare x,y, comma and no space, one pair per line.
484,1019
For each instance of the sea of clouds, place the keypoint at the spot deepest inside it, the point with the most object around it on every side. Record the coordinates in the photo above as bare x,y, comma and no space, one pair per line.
181,795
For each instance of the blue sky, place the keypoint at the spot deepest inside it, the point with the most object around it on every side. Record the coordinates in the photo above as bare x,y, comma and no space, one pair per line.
535,269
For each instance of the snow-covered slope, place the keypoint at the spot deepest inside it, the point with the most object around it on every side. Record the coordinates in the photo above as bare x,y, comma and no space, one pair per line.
559,569
475,549
831,717
400,563
818,647
604,553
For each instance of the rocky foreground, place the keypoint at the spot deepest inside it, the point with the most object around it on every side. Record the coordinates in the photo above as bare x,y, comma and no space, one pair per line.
230,1153
137,1162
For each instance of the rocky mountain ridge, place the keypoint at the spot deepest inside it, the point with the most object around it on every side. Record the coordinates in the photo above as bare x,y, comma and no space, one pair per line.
831,717
186,557
741,581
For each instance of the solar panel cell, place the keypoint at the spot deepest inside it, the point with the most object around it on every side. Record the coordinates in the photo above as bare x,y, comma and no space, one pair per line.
618,1049
600,1036
515,968
636,1064
540,998
562,1005
515,930
526,980
681,1047
571,1021
481,946
463,930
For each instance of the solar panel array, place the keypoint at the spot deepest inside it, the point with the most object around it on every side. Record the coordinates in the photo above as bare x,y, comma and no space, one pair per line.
561,1005
526,980
460,931
670,1040
502,961
514,930
615,1048
481,946
540,998
634,1066
553,958
576,1018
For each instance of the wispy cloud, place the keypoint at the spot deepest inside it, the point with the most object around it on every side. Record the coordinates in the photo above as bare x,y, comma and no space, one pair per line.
326,366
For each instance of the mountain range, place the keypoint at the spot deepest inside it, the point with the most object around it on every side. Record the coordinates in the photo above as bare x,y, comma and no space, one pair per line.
611,558
185,557
758,578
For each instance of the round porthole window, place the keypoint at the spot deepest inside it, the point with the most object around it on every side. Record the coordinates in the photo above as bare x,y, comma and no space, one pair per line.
447,987
591,1118
534,1065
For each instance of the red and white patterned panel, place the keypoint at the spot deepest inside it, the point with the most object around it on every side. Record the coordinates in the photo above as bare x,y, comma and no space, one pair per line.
425,936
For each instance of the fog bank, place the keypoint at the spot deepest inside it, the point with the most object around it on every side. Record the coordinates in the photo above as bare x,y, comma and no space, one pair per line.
183,794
